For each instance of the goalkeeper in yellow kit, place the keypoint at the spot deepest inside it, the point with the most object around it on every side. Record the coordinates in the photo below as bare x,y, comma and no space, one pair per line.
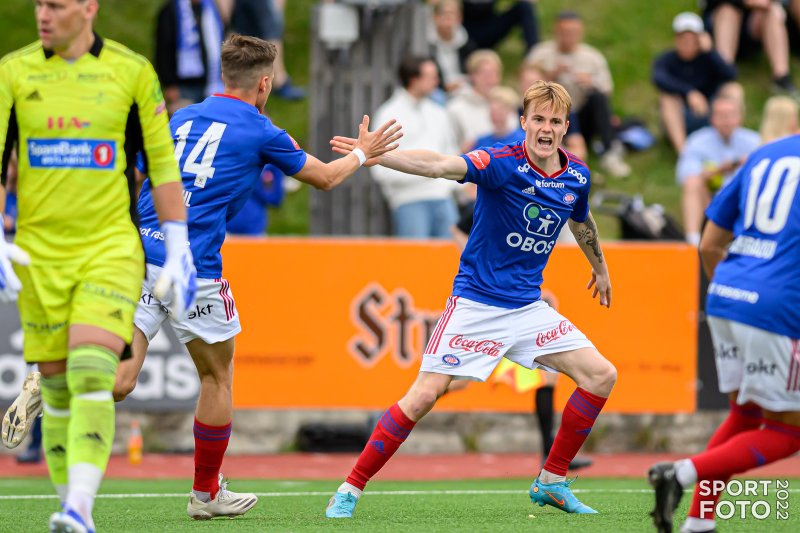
78,108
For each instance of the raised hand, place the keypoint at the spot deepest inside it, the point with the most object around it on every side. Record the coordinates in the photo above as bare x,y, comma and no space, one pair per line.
373,144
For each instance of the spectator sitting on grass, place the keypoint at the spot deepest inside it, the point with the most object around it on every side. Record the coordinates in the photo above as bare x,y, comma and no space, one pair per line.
687,77
710,157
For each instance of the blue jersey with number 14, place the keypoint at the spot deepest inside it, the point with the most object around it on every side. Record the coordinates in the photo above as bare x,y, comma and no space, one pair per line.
221,145
758,282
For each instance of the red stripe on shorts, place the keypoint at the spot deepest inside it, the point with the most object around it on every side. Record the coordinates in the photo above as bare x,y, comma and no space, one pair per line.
227,301
433,344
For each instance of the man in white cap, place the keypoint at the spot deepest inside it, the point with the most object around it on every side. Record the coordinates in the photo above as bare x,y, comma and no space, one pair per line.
687,77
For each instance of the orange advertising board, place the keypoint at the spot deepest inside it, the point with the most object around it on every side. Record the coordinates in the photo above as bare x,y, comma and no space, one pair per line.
339,324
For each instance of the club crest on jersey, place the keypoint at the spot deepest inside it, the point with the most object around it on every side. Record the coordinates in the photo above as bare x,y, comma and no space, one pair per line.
569,198
541,221
479,158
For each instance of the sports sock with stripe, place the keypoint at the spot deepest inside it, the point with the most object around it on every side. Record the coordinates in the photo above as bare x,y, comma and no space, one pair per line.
210,443
55,425
740,418
391,431
747,450
576,423
91,372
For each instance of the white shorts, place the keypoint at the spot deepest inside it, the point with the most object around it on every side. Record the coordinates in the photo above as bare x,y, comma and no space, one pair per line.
763,366
471,338
213,318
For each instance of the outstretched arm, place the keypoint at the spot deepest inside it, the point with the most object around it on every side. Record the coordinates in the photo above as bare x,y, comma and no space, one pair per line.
419,162
589,240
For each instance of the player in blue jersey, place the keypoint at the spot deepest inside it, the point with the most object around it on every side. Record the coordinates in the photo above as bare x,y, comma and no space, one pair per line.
221,145
527,191
751,251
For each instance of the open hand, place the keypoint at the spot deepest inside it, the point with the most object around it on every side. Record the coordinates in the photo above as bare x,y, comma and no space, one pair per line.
374,144
602,286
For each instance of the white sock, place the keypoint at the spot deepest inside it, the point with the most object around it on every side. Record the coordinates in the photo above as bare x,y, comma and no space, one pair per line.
62,491
84,482
347,487
204,497
549,478
685,472
697,525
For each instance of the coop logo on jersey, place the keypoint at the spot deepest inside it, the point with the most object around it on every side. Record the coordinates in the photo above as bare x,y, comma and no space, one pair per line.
541,221
451,360
71,153
581,178
569,198
479,158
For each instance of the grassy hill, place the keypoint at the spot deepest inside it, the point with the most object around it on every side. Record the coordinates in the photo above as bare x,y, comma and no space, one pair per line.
629,32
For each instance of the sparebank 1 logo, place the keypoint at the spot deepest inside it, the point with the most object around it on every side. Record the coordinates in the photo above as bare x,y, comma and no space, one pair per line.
388,324
541,221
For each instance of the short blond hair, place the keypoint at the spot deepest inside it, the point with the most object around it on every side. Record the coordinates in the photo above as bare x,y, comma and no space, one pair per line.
780,118
479,57
543,94
505,95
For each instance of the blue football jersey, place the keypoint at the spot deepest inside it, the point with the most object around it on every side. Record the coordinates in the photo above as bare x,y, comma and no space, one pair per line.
758,283
221,146
519,213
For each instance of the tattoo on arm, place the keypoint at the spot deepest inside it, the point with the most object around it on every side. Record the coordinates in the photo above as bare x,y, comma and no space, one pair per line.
588,234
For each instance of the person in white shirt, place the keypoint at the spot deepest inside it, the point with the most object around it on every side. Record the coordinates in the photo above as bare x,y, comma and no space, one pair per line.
421,208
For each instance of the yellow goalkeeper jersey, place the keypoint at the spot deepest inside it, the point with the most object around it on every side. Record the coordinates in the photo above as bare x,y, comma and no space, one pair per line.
77,126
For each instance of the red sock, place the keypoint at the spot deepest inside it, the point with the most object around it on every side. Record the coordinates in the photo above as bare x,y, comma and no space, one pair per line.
210,443
740,418
391,431
576,423
748,450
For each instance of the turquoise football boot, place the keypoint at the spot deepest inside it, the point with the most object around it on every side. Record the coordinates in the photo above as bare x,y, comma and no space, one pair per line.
559,496
341,505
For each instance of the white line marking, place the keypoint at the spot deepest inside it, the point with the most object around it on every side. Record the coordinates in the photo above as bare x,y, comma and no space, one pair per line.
328,493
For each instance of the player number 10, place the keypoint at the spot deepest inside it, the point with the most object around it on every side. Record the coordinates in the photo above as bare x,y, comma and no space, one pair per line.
759,208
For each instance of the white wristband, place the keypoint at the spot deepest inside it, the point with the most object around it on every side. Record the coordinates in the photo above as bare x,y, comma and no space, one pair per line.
359,153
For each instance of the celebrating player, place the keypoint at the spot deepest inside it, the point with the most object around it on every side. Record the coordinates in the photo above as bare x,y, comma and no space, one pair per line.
80,107
750,250
221,146
526,193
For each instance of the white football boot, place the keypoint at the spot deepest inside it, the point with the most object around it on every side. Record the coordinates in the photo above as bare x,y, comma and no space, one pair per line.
226,503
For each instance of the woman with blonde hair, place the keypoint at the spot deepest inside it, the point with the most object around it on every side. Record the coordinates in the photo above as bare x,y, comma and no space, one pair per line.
780,118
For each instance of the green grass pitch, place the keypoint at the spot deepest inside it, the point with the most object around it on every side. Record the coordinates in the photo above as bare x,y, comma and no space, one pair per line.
485,505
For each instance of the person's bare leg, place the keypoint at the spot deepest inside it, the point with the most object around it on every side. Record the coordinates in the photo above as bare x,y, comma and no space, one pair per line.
694,200
671,107
727,21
